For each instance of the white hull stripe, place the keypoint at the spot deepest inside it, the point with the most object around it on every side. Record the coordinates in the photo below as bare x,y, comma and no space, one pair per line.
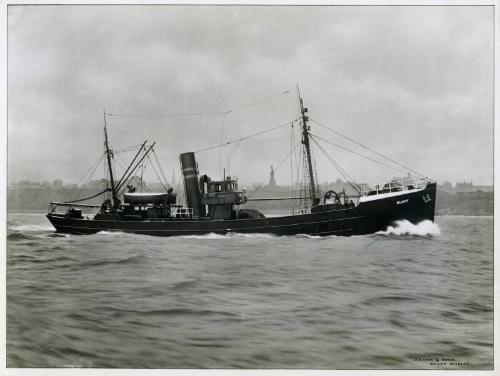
389,194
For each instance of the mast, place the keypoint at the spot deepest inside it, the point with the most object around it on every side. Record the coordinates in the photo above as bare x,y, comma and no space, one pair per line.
108,155
143,147
124,180
305,141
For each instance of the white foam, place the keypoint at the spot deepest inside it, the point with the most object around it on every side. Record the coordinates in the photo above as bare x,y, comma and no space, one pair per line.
404,227
229,235
307,236
110,233
28,228
209,236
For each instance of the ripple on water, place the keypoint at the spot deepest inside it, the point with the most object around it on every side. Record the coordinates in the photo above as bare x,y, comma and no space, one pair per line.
248,301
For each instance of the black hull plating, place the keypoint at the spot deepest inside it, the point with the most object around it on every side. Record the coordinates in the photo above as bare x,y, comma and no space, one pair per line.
366,218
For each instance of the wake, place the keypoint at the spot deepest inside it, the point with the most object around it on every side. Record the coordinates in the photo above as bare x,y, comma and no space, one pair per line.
30,228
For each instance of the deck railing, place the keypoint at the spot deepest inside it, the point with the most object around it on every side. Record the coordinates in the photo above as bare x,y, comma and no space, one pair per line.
53,205
395,185
178,211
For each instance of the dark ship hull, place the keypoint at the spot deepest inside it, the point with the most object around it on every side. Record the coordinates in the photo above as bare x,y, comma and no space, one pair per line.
366,218
213,206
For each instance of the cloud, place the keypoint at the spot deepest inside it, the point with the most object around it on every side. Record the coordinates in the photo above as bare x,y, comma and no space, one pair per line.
412,82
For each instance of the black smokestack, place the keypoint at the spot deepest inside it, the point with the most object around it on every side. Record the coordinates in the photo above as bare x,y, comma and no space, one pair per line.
190,174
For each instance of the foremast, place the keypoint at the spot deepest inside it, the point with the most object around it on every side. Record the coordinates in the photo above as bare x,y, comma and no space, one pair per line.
109,154
305,141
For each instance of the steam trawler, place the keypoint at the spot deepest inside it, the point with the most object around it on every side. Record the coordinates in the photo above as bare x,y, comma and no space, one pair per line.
221,207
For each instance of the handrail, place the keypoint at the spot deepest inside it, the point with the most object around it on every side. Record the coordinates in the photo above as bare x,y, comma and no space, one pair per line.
271,198
73,204
395,185
54,204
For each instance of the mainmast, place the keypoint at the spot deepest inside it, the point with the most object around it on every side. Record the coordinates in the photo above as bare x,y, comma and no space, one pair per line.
109,153
305,141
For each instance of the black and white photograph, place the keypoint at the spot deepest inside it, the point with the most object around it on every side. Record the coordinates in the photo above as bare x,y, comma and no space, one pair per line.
250,186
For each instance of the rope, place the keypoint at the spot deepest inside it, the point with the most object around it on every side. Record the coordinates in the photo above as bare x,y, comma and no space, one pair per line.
245,137
87,198
367,148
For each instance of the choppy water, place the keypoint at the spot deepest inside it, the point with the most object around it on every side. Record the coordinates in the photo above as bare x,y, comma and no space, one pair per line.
390,301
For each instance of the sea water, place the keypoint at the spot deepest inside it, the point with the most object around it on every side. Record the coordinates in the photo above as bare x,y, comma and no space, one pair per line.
410,297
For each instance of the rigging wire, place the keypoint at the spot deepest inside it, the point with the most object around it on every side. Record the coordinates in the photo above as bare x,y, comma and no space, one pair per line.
261,185
245,137
161,170
339,168
142,147
257,102
157,174
93,168
304,182
354,152
129,180
142,167
367,148
87,198
125,166
221,140
130,148
228,157
297,179
292,142
121,182
195,114
105,180
118,162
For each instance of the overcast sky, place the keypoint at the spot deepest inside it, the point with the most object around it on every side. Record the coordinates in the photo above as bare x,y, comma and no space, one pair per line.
414,83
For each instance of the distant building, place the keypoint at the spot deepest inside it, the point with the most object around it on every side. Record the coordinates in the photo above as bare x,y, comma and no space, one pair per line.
465,187
96,183
57,184
446,187
26,184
